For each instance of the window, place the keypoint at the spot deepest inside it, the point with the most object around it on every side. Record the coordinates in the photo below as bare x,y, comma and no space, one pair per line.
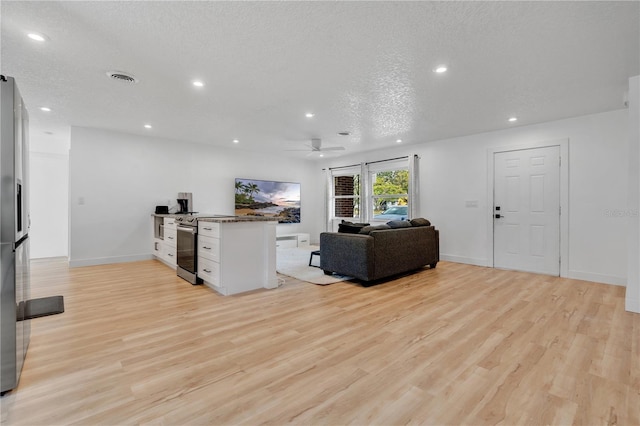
346,197
388,191
344,201
390,194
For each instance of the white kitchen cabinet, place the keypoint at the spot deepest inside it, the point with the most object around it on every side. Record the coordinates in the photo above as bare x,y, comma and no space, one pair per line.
209,229
169,252
237,256
209,247
209,271
157,247
165,242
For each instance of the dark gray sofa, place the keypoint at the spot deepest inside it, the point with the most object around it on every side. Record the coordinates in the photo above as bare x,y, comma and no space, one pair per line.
381,253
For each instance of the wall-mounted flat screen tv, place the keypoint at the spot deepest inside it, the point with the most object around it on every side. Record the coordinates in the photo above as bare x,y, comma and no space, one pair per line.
280,200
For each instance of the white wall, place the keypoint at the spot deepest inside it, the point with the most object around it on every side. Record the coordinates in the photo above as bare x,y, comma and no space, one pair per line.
49,195
49,205
122,177
633,284
453,171
117,179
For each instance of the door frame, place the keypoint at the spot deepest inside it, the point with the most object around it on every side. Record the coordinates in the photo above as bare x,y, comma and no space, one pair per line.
564,196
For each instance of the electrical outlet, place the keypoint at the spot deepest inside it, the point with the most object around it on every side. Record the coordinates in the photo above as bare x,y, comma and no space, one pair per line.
471,203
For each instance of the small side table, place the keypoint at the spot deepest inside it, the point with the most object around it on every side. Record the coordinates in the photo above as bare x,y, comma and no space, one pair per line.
316,253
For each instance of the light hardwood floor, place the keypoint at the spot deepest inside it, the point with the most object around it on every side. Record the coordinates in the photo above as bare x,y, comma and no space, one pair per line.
456,345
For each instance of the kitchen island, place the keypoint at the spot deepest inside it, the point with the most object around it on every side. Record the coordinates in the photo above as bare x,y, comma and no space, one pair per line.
235,254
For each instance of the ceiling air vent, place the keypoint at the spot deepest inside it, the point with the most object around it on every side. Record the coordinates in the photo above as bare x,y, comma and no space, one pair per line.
122,76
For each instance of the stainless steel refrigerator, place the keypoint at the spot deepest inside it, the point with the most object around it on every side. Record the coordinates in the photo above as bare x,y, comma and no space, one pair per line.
15,330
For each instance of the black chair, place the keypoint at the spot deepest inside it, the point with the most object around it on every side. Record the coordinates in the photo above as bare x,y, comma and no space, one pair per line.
317,253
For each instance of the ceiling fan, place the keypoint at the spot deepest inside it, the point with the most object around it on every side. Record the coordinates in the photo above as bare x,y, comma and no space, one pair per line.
316,146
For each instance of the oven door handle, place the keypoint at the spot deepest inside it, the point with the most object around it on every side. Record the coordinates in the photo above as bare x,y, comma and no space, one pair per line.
188,229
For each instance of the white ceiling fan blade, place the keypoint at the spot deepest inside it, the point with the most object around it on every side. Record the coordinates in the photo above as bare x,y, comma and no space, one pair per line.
316,147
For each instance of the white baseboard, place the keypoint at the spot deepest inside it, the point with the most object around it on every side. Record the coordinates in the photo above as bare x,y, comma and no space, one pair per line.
632,305
107,260
578,275
597,278
462,259
48,259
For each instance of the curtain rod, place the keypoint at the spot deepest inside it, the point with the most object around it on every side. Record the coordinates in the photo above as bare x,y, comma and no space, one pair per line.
371,162
343,167
390,159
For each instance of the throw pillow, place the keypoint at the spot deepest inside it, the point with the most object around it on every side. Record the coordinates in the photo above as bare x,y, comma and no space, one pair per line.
419,221
346,222
350,227
367,229
399,224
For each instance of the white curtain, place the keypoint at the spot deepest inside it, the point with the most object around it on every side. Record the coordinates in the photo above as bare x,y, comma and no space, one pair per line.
365,193
414,186
328,211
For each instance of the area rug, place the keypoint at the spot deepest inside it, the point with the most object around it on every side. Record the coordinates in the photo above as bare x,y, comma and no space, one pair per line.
294,262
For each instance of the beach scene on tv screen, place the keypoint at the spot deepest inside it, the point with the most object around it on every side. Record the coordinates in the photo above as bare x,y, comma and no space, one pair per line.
280,200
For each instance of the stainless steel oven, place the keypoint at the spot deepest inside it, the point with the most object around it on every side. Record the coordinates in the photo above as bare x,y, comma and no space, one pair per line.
187,249
187,245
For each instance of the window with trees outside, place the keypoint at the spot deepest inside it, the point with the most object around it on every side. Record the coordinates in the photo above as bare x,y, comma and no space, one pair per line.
389,195
374,192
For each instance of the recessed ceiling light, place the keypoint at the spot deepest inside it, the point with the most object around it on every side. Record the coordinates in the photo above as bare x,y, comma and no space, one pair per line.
440,69
309,114
321,155
45,109
198,83
398,140
512,119
147,126
37,37
236,141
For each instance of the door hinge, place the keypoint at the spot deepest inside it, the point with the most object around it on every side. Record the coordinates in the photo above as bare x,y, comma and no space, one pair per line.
560,210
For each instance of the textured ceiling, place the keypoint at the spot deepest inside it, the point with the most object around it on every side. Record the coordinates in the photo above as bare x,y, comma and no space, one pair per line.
362,67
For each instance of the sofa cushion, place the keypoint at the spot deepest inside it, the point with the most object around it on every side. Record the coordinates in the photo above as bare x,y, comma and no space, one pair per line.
367,229
420,221
350,227
399,224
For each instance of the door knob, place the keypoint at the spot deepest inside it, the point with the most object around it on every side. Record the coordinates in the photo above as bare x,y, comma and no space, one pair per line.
498,216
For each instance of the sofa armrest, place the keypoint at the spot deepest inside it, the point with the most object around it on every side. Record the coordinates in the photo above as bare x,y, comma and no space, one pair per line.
347,254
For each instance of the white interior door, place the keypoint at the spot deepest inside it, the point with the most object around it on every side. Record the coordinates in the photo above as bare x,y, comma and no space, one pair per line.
526,224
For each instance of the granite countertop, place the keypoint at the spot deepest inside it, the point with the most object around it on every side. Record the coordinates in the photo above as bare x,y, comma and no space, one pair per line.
237,219
222,219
